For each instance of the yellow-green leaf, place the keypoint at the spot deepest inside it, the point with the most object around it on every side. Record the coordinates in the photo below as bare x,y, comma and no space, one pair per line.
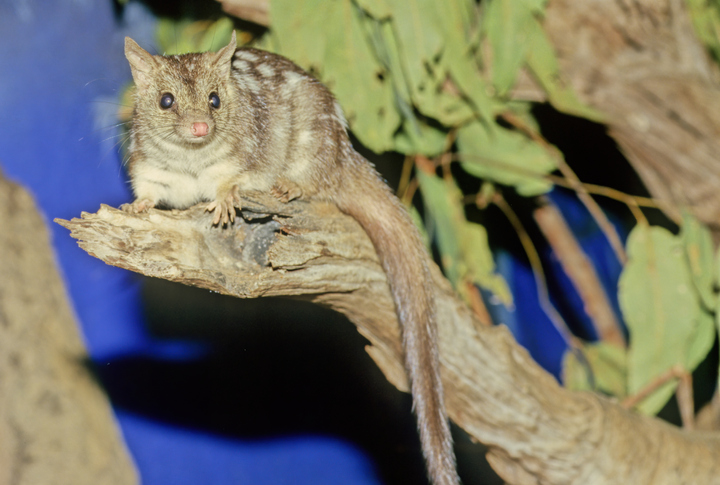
379,9
608,364
480,263
507,27
706,21
701,260
180,37
443,202
663,312
420,138
464,250
504,156
542,62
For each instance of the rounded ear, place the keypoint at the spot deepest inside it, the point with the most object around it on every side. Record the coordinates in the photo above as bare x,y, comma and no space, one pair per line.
141,62
225,55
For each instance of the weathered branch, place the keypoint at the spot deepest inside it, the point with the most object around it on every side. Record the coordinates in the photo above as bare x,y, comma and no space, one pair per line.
537,431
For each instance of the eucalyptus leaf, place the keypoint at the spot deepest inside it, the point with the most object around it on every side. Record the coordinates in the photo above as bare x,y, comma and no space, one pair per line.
706,21
420,138
663,312
542,62
416,25
378,9
701,260
703,340
442,199
464,250
507,26
481,265
608,364
537,6
180,37
506,157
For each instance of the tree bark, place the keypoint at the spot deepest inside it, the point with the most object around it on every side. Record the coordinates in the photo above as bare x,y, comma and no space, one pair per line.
56,425
537,432
641,64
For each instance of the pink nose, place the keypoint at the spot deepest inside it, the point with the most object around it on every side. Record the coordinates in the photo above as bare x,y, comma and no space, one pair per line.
199,129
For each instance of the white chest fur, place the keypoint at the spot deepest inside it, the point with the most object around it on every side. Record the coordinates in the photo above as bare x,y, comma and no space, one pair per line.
180,188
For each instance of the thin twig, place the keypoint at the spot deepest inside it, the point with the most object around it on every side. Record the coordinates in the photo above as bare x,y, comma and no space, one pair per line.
595,211
405,177
581,272
684,393
477,304
537,269
634,202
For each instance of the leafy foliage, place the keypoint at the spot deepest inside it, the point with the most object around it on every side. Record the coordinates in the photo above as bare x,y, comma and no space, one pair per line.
668,299
662,308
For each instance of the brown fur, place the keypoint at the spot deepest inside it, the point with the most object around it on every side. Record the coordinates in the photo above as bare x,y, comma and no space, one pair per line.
280,130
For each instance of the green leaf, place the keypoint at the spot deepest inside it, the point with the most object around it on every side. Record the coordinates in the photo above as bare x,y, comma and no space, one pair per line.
701,260
458,63
608,364
464,250
536,6
443,202
481,265
343,58
180,37
416,25
506,157
378,9
703,340
667,323
507,26
420,138
542,62
706,21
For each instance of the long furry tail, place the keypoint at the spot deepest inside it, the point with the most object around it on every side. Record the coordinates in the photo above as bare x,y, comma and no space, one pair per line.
365,197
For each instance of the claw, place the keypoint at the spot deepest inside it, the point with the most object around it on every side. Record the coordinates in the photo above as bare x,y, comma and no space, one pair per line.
138,206
224,207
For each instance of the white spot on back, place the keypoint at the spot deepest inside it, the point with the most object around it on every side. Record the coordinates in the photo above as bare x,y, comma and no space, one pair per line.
266,70
293,78
246,55
247,81
241,65
305,137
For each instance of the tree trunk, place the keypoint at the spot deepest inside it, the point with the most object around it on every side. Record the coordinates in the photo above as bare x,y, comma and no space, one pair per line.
56,425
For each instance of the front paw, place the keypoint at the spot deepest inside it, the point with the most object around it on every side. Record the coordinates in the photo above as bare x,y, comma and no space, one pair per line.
224,207
140,205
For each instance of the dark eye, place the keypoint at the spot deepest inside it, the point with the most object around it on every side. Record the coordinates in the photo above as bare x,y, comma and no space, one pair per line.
167,100
214,100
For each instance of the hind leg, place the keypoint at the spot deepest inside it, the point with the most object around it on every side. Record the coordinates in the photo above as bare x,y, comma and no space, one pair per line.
285,191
